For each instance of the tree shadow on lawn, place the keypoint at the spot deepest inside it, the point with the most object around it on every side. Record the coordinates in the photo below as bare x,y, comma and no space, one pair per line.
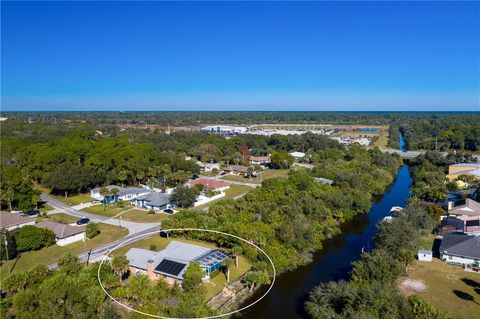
465,296
472,283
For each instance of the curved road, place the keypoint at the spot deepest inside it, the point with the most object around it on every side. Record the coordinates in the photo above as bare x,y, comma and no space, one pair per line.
134,229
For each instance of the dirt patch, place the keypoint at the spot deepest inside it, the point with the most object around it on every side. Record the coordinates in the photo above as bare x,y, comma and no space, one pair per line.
410,286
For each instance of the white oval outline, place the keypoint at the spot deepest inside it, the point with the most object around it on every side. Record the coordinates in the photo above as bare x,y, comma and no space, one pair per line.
186,229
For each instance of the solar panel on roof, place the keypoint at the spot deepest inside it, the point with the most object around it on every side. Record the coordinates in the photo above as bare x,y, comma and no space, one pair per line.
170,267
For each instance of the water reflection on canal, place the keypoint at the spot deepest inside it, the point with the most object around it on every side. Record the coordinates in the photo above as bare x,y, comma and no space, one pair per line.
288,296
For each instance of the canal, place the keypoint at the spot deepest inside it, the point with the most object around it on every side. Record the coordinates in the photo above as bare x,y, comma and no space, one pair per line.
333,262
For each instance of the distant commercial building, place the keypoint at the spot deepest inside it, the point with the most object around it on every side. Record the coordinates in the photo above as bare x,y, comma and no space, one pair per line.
471,169
171,263
225,129
64,234
10,221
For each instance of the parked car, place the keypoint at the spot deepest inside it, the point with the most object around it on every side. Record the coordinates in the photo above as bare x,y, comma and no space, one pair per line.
195,176
32,213
83,221
169,211
96,201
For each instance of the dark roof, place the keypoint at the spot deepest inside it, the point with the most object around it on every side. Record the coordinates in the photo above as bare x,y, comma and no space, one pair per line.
156,199
170,267
461,245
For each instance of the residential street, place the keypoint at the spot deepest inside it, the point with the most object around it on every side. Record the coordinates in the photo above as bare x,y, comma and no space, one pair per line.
134,229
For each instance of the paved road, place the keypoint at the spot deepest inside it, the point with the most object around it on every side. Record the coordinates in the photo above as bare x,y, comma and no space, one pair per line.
131,226
134,229
217,178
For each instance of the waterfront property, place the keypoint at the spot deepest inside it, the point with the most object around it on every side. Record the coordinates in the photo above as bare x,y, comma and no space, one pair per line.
64,234
460,249
11,221
463,217
156,201
124,193
171,263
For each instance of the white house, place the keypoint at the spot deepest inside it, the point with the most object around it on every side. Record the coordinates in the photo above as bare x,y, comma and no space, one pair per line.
210,166
11,221
460,249
64,234
425,255
124,193
298,155
225,129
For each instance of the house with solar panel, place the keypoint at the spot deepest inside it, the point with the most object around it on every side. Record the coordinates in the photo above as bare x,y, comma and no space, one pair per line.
171,263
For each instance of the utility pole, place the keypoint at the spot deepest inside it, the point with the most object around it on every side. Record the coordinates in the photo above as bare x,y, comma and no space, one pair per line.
6,250
88,256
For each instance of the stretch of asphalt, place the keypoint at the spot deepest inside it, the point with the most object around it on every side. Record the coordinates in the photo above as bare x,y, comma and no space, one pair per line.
135,230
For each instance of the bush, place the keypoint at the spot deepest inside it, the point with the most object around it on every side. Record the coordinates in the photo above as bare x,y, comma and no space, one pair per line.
153,247
32,238
120,203
11,245
92,230
151,212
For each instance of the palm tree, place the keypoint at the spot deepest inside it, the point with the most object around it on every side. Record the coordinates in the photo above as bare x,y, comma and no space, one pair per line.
120,265
104,192
8,196
237,250
226,265
114,192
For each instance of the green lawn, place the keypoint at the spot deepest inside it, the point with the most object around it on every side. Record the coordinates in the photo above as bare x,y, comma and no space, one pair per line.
444,285
217,283
51,254
60,218
140,215
231,192
266,174
70,200
107,211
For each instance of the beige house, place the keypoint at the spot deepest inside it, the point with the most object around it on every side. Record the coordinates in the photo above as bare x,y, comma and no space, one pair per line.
64,234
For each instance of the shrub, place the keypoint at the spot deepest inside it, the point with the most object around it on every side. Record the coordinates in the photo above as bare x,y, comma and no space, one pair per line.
32,238
92,230
151,212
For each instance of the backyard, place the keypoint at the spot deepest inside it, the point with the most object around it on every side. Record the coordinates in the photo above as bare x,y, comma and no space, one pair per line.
448,288
50,255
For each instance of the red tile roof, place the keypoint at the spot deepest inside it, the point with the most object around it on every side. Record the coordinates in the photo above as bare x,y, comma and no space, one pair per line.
209,183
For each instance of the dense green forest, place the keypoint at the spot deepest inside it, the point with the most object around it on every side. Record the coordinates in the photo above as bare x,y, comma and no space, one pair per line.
438,132
235,117
70,160
290,217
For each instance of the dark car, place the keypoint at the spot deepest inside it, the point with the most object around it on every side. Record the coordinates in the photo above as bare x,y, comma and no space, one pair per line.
83,221
195,176
32,213
168,211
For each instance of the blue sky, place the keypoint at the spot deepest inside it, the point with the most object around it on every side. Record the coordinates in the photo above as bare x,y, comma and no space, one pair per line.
240,56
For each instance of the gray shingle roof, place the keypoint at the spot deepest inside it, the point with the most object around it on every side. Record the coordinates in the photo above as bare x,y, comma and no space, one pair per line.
11,219
175,251
461,245
155,199
61,230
